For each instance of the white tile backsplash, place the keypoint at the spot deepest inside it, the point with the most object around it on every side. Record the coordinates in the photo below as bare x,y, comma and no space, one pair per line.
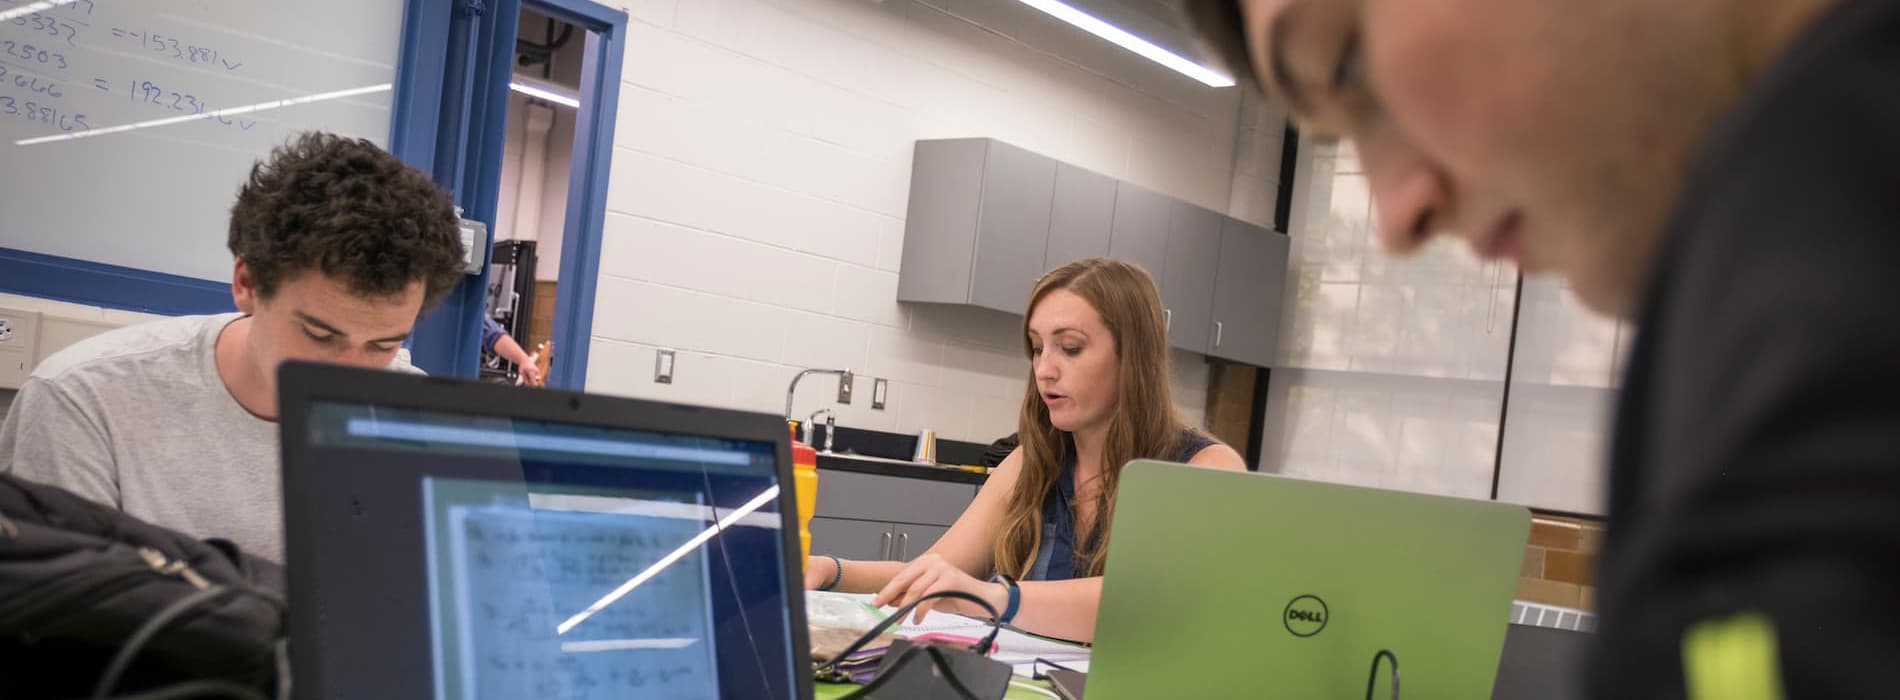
761,176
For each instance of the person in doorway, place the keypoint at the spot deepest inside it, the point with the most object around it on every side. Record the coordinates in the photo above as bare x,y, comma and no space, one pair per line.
339,247
497,342
1720,171
1035,540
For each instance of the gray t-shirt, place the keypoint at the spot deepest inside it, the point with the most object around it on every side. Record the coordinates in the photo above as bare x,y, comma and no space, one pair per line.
139,419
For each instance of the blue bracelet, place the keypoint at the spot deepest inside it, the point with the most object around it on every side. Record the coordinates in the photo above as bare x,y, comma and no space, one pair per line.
1015,598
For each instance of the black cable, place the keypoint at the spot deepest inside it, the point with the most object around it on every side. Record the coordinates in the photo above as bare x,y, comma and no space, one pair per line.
981,647
1372,679
144,634
197,689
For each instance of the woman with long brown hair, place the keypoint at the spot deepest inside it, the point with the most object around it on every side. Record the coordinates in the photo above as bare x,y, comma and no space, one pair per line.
1035,540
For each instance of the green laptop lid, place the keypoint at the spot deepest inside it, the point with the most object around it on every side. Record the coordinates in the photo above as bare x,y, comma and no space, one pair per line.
1237,585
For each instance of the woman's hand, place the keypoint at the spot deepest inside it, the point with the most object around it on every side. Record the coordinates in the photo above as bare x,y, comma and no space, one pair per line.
931,573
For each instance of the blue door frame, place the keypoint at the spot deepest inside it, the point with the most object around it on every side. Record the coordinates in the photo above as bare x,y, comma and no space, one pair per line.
469,146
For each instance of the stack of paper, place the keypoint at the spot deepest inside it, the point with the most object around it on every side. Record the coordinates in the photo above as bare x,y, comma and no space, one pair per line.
1015,648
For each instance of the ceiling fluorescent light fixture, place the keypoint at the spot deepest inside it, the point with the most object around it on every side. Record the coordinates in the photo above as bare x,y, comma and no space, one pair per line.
1120,37
546,92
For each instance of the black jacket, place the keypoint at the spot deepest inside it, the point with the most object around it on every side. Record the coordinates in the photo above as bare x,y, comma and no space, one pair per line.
1756,465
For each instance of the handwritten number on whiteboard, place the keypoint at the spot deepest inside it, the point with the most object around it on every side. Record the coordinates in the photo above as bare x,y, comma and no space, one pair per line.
9,104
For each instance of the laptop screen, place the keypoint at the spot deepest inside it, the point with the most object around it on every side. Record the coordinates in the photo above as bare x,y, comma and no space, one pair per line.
572,561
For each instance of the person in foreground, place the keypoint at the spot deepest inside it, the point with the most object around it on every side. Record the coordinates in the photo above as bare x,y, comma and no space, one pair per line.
339,246
1720,171
1035,540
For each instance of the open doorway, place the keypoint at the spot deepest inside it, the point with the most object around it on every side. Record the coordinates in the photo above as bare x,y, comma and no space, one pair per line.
544,101
541,141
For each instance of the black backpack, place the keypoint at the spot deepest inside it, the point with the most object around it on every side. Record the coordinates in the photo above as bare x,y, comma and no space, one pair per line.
80,580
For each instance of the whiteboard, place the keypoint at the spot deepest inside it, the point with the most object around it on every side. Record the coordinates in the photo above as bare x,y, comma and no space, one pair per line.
127,126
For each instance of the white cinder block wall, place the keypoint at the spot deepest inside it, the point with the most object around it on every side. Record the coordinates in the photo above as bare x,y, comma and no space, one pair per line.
760,177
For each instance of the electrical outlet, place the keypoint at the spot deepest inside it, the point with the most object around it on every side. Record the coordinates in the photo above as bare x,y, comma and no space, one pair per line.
663,367
19,340
880,389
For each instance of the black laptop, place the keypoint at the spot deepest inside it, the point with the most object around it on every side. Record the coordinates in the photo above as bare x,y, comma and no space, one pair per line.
452,540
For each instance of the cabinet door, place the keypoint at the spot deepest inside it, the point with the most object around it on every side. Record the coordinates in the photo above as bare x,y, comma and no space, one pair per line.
863,540
946,184
1012,230
1187,285
1248,287
1139,232
881,498
914,540
1080,218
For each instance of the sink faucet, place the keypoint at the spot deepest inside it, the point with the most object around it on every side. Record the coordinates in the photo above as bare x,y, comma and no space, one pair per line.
843,374
831,426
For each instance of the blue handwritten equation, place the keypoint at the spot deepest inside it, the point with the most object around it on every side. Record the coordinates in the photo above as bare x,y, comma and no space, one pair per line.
56,28
172,47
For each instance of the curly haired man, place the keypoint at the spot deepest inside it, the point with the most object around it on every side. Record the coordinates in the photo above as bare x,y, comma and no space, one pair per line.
339,247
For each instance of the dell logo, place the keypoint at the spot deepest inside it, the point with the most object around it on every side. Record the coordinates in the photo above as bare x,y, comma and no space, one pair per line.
1305,616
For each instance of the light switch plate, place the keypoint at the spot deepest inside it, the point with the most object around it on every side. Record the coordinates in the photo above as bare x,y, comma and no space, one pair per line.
880,389
846,382
474,246
19,341
663,367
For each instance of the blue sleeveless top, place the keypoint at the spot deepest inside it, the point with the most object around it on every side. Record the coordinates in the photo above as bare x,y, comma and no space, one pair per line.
1055,559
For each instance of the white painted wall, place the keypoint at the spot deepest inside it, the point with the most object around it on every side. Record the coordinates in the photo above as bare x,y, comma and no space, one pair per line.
760,176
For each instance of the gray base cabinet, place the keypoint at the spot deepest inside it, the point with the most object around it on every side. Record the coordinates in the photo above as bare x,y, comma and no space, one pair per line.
862,540
914,540
871,517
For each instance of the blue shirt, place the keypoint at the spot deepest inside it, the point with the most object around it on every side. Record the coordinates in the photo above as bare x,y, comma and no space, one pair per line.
491,334
1055,559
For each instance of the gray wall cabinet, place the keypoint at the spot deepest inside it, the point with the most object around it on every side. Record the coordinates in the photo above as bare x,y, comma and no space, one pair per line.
1187,282
1080,217
987,219
1247,298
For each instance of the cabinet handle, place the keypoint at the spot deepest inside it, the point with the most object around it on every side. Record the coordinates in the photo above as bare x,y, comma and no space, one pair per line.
1217,333
903,547
887,547
1167,320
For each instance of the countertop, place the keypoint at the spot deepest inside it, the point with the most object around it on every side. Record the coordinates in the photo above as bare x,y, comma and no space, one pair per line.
866,464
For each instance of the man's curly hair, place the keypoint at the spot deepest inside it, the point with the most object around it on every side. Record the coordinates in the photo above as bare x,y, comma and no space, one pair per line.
350,210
